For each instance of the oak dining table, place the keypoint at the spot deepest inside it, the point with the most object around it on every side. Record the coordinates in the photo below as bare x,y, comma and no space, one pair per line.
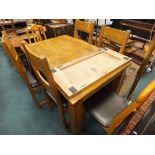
66,50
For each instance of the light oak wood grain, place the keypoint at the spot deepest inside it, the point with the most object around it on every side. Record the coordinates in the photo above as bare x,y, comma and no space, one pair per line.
64,51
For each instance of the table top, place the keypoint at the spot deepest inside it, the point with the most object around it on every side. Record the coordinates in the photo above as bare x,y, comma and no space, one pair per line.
77,75
62,50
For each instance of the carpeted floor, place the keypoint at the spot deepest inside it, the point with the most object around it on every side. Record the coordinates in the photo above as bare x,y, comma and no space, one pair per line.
18,114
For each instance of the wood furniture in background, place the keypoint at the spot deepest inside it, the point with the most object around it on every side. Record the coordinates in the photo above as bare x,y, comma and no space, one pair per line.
84,27
34,33
64,49
38,33
145,61
59,21
18,26
139,30
11,31
55,30
113,38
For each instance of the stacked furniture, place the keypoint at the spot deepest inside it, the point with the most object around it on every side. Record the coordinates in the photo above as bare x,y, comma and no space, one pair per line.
10,24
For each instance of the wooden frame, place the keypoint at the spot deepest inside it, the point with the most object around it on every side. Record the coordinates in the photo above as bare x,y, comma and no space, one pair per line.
84,27
22,70
87,70
64,49
44,74
35,32
5,41
113,35
140,72
121,117
9,31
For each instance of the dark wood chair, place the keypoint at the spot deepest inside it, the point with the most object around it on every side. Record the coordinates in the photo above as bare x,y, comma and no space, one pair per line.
10,31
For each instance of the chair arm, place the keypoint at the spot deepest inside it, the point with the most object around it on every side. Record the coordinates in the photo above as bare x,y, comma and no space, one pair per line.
145,93
122,116
126,112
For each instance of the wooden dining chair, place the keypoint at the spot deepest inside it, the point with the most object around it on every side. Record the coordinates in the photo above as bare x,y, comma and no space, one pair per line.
84,27
28,75
147,56
44,74
109,109
10,31
113,38
36,32
5,41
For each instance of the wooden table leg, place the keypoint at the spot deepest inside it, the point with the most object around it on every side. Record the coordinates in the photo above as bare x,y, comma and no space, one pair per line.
117,83
77,116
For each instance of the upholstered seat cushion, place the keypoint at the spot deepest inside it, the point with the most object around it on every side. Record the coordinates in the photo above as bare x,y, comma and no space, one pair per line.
32,78
105,106
65,104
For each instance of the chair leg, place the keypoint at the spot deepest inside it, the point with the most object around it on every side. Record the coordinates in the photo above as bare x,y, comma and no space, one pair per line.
36,101
33,94
48,102
109,130
62,116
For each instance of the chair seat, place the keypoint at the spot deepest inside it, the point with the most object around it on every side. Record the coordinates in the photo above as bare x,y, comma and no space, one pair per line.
105,106
32,78
65,104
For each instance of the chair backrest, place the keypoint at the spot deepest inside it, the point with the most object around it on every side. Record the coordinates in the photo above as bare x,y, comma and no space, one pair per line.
44,74
111,35
6,44
148,53
84,27
38,33
13,53
142,68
